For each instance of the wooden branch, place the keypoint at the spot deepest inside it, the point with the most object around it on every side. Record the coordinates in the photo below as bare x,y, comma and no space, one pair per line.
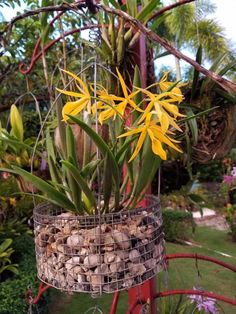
168,8
63,7
225,84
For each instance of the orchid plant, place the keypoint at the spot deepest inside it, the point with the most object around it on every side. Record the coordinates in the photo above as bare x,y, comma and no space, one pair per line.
141,126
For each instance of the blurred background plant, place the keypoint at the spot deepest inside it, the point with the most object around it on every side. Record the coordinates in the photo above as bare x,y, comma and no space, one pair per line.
15,149
230,215
5,263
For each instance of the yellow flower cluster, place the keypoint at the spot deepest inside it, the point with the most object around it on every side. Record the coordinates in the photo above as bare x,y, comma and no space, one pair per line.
160,113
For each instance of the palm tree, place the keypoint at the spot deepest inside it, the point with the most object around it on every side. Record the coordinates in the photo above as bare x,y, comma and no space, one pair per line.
189,27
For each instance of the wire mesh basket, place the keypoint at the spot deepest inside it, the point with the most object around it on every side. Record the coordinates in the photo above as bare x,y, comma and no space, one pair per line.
98,254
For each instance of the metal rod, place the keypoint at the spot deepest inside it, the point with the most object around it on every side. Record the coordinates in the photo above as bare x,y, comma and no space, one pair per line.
114,302
195,292
201,257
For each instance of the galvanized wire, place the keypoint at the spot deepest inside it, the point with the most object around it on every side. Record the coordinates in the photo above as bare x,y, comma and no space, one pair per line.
98,254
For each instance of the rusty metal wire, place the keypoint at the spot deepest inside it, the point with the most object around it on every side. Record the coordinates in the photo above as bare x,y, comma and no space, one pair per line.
96,254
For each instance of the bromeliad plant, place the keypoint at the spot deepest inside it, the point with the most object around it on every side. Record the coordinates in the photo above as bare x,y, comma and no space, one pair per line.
141,126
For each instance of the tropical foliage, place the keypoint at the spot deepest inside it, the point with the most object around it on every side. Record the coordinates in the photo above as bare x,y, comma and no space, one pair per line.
14,148
141,147
5,253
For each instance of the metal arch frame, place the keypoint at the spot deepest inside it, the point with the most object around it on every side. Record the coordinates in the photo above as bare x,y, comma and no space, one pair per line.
142,301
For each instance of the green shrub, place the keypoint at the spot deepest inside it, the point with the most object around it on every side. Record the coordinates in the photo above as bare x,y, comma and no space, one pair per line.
178,225
230,215
211,172
13,290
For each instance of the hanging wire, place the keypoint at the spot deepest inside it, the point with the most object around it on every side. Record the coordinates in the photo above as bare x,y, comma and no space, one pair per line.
82,57
159,183
94,310
95,36
198,275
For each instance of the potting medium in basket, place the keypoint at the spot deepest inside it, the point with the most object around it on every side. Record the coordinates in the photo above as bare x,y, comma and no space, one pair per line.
97,254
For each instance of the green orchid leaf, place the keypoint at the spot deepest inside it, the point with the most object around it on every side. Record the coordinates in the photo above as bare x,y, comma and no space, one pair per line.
137,82
70,145
146,12
228,67
207,84
225,95
54,172
89,169
193,126
132,7
104,149
145,174
81,182
107,183
45,26
61,128
114,3
202,113
196,73
74,188
71,156
53,194
218,62
50,146
121,153
155,25
189,151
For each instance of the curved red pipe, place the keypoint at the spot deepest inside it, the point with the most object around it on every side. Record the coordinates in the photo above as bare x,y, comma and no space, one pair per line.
183,292
201,257
42,288
37,54
196,292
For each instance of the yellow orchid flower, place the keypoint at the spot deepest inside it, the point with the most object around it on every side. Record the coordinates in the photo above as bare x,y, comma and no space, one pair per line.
84,102
121,102
157,137
165,85
108,110
163,106
108,107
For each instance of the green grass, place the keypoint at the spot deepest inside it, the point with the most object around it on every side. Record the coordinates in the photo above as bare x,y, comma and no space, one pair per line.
181,274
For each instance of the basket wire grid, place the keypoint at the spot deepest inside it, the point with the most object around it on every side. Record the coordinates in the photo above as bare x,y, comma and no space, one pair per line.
100,253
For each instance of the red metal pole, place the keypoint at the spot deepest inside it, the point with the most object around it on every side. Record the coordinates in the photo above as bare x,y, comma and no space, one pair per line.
147,290
114,302
145,293
42,288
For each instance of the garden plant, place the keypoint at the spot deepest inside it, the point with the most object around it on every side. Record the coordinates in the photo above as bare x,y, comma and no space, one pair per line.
109,127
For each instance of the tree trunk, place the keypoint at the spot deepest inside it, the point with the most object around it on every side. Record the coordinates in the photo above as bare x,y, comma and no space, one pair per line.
178,69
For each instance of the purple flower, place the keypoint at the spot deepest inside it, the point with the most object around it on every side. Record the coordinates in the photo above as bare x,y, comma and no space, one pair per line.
228,180
208,305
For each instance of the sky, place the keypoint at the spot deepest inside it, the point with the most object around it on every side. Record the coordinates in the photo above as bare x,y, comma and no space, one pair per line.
225,15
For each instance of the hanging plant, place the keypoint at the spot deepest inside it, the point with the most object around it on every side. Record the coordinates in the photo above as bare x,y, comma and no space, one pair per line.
98,237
